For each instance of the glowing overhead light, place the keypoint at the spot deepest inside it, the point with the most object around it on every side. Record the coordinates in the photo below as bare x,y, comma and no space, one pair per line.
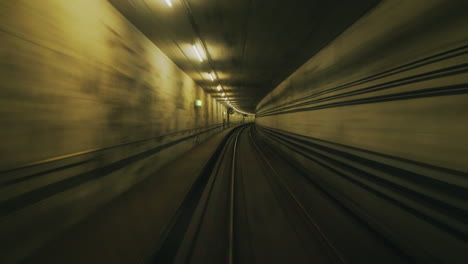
198,102
212,77
197,52
168,2
223,94
218,87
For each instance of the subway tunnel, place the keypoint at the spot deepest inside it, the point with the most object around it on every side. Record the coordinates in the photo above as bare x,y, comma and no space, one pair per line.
221,131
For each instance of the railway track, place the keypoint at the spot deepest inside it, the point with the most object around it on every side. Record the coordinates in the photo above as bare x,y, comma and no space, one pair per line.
253,206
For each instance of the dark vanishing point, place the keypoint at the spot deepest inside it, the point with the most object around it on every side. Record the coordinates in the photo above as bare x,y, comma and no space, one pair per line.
234,131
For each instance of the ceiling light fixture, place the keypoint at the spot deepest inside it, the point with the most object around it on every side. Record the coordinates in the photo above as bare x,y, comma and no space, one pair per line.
197,52
169,3
212,77
218,87
223,94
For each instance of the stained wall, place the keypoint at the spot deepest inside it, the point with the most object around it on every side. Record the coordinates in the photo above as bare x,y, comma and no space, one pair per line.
88,107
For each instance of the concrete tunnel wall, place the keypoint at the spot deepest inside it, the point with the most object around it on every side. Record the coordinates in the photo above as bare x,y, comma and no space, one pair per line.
428,128
88,107
388,98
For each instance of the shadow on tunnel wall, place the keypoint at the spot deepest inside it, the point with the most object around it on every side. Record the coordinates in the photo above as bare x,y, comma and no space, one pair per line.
88,108
379,119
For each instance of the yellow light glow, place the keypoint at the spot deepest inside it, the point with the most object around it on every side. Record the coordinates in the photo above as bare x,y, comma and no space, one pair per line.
218,87
198,103
223,94
212,77
197,52
169,3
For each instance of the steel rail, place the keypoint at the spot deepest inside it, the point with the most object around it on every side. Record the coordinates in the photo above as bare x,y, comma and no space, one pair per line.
230,256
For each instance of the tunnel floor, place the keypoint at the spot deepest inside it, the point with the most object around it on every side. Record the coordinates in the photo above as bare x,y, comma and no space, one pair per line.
256,207
249,204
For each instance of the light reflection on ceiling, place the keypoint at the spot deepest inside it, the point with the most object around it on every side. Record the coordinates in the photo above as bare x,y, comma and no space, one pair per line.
242,48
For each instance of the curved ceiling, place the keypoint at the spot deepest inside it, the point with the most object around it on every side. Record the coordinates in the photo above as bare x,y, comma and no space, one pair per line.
249,46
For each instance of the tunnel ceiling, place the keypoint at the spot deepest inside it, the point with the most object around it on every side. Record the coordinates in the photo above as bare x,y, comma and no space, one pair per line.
249,45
